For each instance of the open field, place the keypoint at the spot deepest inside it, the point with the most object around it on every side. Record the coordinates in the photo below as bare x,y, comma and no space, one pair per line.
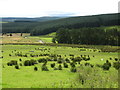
87,75
36,62
25,38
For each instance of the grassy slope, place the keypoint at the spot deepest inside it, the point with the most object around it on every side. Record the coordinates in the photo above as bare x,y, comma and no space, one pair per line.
26,77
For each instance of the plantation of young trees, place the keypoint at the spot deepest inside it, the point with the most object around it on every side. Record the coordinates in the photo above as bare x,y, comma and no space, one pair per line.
88,36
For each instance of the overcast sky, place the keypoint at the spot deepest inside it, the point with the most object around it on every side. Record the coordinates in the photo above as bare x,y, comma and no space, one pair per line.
38,8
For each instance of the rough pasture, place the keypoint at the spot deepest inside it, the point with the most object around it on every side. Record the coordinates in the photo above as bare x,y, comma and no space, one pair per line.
38,66
24,38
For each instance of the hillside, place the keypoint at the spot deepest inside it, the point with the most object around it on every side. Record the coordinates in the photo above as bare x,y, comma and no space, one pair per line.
26,19
41,28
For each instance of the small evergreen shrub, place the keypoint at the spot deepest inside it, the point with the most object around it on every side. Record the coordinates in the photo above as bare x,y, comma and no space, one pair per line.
106,65
20,59
35,68
116,65
73,69
65,65
52,65
44,68
17,67
60,67
72,64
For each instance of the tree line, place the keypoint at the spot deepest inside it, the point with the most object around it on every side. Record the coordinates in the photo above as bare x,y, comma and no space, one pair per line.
88,36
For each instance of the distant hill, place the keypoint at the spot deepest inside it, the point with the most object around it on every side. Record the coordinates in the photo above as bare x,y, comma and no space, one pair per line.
45,27
23,19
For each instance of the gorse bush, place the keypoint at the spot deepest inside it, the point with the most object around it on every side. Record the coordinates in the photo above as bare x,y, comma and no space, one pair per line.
52,65
20,64
60,67
67,60
72,64
44,68
20,59
65,65
73,69
9,64
35,68
59,61
17,67
116,65
106,65
13,62
27,63
116,59
87,64
42,60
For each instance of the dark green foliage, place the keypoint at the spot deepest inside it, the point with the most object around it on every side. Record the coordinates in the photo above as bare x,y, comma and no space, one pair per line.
27,63
110,58
9,64
44,68
54,40
116,65
60,67
77,59
73,69
82,49
116,59
106,65
60,60
55,59
53,65
65,65
21,34
20,59
17,67
10,34
35,68
87,64
71,55
72,64
91,65
42,60
20,64
97,36
87,59
67,60
25,55
12,62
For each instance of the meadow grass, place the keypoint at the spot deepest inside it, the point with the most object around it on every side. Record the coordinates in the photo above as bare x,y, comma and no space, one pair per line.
26,77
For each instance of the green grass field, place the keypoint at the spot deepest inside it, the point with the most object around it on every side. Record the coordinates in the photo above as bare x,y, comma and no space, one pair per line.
26,77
